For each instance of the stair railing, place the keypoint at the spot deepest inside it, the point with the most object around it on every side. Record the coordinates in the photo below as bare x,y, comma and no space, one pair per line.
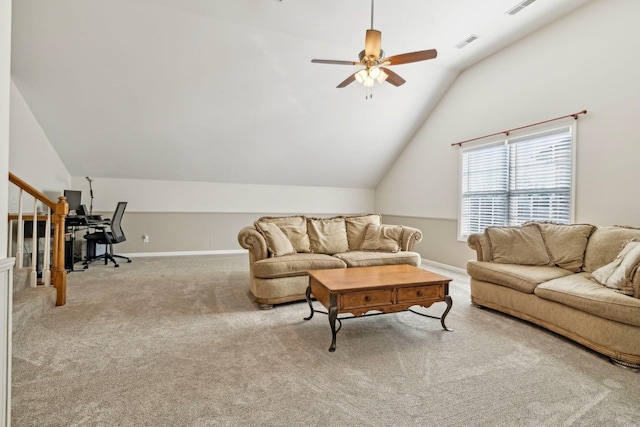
56,213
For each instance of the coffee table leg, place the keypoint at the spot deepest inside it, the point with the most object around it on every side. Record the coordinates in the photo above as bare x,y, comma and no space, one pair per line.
309,302
449,302
333,315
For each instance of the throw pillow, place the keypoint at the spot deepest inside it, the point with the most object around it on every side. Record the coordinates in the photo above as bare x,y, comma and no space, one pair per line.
566,243
517,245
327,235
618,274
277,242
294,227
382,238
357,228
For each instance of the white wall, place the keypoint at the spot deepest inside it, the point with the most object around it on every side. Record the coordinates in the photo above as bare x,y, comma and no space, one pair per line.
5,83
6,264
586,60
176,196
31,155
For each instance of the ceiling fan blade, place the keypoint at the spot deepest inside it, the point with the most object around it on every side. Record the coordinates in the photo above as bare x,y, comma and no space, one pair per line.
372,44
406,58
331,61
393,78
347,81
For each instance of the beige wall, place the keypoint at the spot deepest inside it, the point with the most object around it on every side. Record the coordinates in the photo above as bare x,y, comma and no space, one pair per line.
171,232
554,72
437,244
182,232
210,232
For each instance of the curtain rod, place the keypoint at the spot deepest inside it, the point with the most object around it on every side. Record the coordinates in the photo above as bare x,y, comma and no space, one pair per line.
506,132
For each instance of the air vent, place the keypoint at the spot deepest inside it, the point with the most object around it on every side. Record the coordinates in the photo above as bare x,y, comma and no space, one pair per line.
466,41
517,8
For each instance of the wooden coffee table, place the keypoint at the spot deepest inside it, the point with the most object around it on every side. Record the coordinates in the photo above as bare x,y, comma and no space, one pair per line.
387,289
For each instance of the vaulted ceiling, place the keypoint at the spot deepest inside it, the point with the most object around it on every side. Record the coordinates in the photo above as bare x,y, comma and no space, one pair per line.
225,91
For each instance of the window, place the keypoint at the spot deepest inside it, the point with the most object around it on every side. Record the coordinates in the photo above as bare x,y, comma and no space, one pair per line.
517,180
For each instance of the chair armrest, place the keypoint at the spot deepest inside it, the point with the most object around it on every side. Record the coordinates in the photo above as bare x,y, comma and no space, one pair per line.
480,243
410,236
250,239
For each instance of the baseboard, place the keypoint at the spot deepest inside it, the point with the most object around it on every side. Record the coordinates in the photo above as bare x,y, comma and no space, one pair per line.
444,266
184,253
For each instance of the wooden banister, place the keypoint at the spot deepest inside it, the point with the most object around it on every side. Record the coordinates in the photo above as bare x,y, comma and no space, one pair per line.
59,210
32,191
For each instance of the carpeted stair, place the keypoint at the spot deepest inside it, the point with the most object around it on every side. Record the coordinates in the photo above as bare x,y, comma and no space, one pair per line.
30,304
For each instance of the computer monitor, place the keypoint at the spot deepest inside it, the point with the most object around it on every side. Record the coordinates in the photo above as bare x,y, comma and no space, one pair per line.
74,199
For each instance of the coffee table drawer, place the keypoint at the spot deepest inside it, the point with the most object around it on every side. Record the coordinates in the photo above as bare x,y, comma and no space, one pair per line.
421,293
367,299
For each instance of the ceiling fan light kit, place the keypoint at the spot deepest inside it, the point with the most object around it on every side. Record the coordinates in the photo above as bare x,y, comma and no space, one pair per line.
373,60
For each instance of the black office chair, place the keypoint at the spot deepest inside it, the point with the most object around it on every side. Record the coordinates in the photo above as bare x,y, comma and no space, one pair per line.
108,235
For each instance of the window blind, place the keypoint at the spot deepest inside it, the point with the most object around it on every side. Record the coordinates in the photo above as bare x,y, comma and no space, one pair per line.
517,180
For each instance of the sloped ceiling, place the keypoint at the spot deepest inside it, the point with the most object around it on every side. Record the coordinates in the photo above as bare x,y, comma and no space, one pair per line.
224,91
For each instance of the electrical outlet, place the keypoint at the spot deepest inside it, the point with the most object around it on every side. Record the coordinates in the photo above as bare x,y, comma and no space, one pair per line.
145,238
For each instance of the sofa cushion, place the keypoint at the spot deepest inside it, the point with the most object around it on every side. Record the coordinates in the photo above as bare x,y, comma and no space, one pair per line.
277,242
294,227
368,259
618,274
566,243
357,227
383,238
523,278
327,235
517,245
605,243
294,265
579,292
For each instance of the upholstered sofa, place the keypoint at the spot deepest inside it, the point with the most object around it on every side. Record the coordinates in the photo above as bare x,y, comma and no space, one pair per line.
283,249
578,280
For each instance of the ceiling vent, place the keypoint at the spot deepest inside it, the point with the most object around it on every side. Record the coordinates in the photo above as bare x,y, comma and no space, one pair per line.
466,41
517,8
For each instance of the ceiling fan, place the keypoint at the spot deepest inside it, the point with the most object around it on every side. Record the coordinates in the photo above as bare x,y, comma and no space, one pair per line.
374,62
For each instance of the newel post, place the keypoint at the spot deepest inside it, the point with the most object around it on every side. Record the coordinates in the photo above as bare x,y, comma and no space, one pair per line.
59,274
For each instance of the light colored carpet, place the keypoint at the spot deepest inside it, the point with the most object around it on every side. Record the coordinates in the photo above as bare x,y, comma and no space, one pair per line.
180,342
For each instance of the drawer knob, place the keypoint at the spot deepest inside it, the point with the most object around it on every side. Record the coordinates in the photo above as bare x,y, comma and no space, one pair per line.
367,298
419,293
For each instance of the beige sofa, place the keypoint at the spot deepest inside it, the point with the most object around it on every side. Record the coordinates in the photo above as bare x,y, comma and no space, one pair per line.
283,249
578,280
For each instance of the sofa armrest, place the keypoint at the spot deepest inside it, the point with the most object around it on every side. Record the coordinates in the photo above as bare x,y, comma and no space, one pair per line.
410,236
480,243
636,283
250,239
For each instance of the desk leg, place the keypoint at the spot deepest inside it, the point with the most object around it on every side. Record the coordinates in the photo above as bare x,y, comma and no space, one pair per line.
309,302
333,315
449,302
72,252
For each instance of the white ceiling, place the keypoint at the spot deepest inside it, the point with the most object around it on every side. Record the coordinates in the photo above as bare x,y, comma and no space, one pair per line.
224,91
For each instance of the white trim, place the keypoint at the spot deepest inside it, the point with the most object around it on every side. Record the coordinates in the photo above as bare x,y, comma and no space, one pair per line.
458,270
6,327
6,264
184,253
